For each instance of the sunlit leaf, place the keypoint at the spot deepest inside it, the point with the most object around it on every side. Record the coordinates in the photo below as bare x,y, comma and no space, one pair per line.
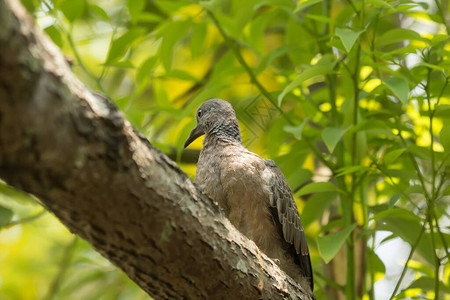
277,3
171,34
308,73
299,177
305,4
352,169
331,136
72,9
5,215
316,205
198,39
98,11
55,35
330,244
394,200
399,88
120,46
146,68
317,187
134,8
397,35
348,37
406,225
428,284
182,75
296,130
444,136
392,156
396,213
376,265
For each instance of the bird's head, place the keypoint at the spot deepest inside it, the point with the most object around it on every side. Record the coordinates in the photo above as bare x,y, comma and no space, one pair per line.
215,118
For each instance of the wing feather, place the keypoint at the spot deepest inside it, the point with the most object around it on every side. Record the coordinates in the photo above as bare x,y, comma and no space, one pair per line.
285,214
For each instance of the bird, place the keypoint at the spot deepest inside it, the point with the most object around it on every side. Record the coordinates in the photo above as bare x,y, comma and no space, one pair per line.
252,191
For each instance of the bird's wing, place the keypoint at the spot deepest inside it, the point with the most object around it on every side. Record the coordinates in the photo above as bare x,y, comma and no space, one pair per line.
285,214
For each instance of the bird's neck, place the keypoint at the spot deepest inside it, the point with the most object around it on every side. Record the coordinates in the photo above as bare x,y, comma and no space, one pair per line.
223,133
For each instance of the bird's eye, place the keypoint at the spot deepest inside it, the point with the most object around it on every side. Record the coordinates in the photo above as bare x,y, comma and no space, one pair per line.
199,114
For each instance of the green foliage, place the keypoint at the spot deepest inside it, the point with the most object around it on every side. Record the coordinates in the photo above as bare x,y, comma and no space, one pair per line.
330,244
352,94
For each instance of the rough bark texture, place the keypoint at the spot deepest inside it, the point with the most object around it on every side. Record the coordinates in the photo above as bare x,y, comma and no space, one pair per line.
108,184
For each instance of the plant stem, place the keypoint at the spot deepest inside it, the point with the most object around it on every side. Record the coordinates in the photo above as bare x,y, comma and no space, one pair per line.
25,220
436,258
63,267
405,267
442,15
330,282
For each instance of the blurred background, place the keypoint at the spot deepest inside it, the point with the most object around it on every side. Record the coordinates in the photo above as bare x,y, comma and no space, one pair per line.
350,98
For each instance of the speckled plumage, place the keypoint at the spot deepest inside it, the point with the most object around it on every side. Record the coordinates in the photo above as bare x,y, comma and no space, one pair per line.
252,191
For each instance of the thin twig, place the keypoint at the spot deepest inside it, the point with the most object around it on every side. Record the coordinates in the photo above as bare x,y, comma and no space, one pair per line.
63,267
405,267
25,220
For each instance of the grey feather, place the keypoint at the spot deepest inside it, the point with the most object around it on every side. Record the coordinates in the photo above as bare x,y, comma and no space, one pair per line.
289,218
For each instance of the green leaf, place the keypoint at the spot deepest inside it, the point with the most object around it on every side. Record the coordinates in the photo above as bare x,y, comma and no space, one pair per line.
392,156
406,225
348,37
286,4
317,187
182,75
72,9
329,245
243,12
309,73
120,46
397,35
256,34
171,34
381,4
136,117
197,39
315,206
399,88
146,68
331,136
5,216
352,169
444,136
397,212
268,59
415,189
298,178
376,265
296,130
98,11
393,200
55,35
428,284
135,8
305,4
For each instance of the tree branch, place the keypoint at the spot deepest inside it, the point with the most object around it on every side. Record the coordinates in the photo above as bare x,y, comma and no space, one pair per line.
110,186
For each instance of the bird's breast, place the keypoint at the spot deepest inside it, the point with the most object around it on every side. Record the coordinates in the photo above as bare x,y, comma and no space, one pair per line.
235,179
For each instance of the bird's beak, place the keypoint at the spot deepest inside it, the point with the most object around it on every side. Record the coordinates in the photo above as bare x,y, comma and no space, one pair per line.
195,133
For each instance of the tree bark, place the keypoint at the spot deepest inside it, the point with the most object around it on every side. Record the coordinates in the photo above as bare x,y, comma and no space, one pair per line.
109,185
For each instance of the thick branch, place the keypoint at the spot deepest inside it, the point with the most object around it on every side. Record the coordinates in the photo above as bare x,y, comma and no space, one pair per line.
110,186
